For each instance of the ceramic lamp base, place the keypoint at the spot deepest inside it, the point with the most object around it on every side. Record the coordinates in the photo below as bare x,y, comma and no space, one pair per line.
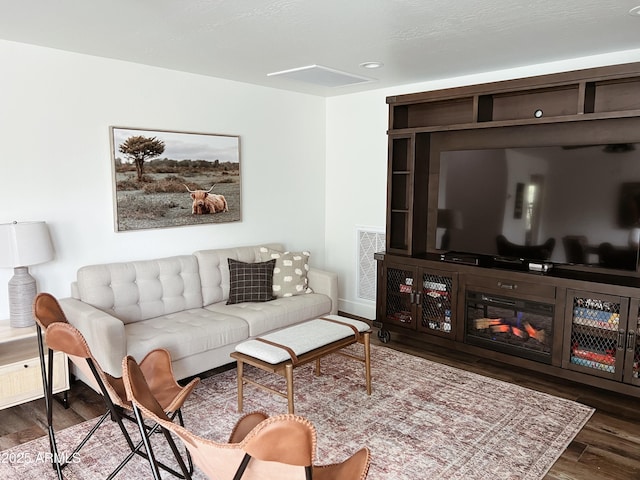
22,292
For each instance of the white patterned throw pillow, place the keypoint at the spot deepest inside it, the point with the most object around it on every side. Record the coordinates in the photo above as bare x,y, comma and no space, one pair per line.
290,272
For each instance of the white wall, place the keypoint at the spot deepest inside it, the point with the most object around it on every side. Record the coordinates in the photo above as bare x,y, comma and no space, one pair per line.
55,113
357,162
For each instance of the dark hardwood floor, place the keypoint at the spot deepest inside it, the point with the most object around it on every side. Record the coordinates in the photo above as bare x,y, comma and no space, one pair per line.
607,448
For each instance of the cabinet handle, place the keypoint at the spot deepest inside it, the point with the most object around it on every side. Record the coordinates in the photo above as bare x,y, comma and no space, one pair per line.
412,297
418,298
631,344
621,333
507,286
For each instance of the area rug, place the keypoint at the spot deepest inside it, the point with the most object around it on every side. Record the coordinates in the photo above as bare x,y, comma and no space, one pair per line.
423,420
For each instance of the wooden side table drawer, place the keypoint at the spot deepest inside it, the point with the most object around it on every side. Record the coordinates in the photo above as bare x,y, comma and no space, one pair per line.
22,381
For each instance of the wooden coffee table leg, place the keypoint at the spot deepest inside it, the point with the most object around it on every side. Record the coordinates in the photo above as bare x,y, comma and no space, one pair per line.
318,372
240,384
288,370
367,359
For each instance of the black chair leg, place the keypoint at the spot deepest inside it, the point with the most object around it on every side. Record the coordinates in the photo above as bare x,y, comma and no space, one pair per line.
147,444
189,460
47,389
242,467
54,454
185,471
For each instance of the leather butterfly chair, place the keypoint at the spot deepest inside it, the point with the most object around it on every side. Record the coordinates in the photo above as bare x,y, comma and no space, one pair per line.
60,335
260,447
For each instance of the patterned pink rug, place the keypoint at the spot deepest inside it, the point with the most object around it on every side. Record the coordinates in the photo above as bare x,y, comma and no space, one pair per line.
423,421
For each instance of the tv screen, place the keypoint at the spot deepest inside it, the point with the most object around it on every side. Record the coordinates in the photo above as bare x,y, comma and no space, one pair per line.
567,205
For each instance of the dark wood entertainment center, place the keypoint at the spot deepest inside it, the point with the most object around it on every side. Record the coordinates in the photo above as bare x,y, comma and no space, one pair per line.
581,324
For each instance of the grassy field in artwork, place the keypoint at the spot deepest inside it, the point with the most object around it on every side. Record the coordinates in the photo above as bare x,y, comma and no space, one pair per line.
161,199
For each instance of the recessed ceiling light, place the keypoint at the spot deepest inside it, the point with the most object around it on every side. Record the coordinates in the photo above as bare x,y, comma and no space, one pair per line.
371,65
635,11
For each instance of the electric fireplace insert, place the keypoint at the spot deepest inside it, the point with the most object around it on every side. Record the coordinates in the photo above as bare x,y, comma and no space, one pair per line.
517,327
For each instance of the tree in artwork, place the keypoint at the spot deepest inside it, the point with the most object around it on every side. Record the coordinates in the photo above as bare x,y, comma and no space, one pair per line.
138,149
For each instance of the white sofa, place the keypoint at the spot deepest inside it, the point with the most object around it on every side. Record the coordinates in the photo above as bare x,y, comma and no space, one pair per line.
179,303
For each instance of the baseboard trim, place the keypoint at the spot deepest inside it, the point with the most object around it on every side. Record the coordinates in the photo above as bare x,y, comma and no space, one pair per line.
354,317
360,309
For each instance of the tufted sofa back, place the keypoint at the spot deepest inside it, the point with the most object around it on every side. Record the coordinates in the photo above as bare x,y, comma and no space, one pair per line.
139,290
134,291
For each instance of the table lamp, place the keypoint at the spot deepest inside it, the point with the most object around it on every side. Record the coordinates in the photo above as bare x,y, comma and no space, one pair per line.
23,244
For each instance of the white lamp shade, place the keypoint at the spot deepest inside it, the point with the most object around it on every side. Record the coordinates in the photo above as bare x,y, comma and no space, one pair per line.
24,243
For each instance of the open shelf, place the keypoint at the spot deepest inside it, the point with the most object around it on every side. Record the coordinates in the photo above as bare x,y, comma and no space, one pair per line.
595,93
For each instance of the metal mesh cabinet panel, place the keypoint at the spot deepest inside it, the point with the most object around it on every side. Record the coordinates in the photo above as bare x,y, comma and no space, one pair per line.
436,303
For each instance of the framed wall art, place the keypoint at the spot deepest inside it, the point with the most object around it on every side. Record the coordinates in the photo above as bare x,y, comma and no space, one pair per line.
165,179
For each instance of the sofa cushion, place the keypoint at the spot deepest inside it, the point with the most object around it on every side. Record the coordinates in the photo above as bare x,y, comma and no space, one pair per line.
250,282
214,269
140,290
290,272
185,333
281,312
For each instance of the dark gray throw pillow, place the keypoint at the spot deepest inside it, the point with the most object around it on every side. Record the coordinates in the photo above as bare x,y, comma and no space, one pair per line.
250,282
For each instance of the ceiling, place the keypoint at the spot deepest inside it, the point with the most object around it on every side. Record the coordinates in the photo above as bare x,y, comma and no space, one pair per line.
244,40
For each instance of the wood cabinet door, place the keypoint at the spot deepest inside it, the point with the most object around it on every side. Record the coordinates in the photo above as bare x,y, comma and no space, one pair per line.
595,334
437,303
400,298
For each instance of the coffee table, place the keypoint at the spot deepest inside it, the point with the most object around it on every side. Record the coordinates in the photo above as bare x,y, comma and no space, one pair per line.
282,351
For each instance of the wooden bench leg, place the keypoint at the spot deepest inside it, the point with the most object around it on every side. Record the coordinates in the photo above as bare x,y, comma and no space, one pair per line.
289,375
367,359
240,364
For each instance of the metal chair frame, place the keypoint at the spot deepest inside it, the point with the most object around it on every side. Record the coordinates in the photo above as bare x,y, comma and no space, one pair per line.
115,412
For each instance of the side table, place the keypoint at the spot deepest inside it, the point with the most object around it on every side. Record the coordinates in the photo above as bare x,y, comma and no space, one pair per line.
20,375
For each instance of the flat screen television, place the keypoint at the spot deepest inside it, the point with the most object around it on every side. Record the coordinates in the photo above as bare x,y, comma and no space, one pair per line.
567,205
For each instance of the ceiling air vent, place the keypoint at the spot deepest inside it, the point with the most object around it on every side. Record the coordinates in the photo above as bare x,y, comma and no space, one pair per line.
323,76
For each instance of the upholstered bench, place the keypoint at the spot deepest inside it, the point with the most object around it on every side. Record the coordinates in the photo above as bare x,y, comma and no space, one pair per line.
282,351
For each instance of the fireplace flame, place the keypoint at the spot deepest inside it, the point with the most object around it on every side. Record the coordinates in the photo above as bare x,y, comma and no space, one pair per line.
503,325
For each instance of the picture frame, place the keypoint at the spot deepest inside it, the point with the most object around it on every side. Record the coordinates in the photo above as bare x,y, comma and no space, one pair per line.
165,179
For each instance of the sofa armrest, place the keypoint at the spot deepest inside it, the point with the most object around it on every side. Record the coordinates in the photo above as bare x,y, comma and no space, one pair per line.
103,332
321,281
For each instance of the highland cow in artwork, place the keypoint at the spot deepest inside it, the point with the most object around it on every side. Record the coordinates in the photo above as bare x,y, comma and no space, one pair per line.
205,202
